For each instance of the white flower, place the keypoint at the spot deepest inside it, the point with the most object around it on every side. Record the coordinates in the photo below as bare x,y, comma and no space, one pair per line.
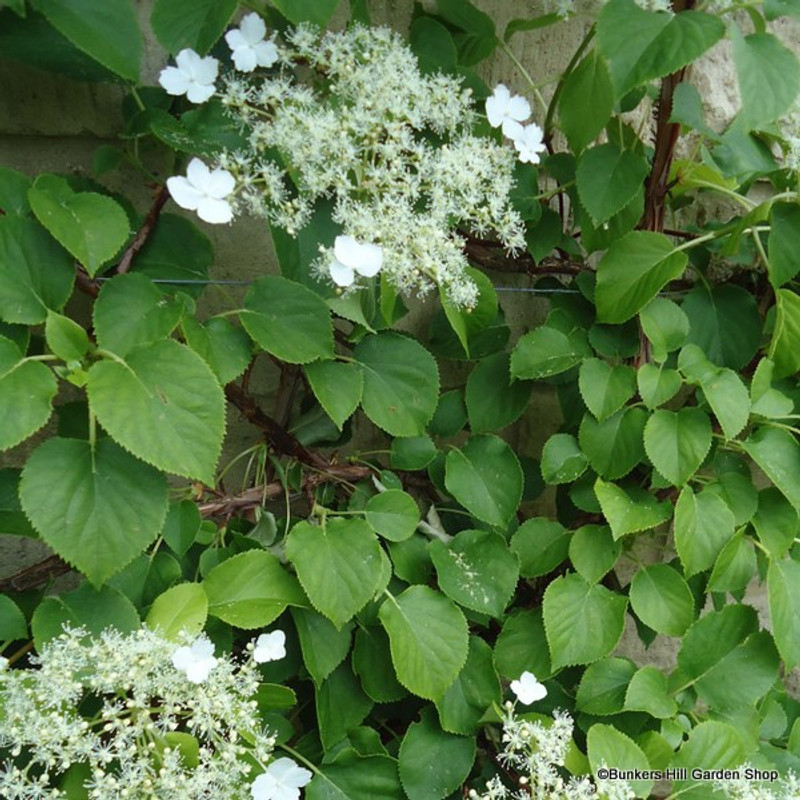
270,647
194,76
196,661
3,663
248,45
503,109
527,689
282,781
204,190
350,256
529,143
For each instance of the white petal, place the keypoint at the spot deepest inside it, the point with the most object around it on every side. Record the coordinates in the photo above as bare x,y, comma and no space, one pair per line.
518,108
215,211
495,111
174,80
198,174
287,772
263,787
203,647
206,70
220,183
198,671
200,92
182,658
235,39
266,53
502,93
346,250
511,129
370,260
244,58
253,28
340,274
183,193
187,60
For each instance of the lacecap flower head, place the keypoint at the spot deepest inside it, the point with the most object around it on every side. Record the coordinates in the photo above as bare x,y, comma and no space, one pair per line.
204,191
527,689
507,110
193,76
270,647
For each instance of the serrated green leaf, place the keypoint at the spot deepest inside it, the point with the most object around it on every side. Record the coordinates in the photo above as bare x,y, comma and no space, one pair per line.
493,401
783,583
657,385
776,522
466,322
541,545
593,551
765,400
14,191
547,351
35,273
251,590
665,325
662,599
713,744
323,646
163,404
65,338
562,459
735,566
784,243
340,704
476,570
587,101
180,609
91,226
337,564
486,478
627,514
703,526
372,662
777,452
602,688
633,270
401,383
393,514
96,506
288,320
12,621
316,11
522,646
606,745
647,691
687,109
224,347
338,387
412,452
784,348
428,639
605,388
353,775
583,622
614,446
677,442
196,24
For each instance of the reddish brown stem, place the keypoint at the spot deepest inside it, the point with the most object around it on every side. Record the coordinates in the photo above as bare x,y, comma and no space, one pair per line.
143,234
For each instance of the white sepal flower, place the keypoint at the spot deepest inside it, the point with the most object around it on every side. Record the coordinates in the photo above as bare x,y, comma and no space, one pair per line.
248,46
351,257
196,660
509,111
282,781
529,143
204,191
270,647
193,76
527,689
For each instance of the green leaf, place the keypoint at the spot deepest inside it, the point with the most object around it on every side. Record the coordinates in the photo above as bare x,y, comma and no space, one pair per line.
14,192
466,322
541,545
602,688
677,442
341,705
163,404
450,415
783,583
784,243
433,45
530,24
412,452
606,745
687,109
27,389
196,24
627,514
181,526
735,566
633,270
548,351
96,610
724,323
703,526
586,102
583,622
393,514
401,383
608,179
476,570
182,608
323,646
96,506
109,33
493,401
777,452
769,77
593,551
713,744
662,599
433,763
605,389
224,347
522,645
65,338
776,522
614,446
665,325
91,226
338,386
647,691
778,8
353,775
657,384
486,478
288,320
338,564
316,11
372,662
251,590
465,15
428,639
474,690
131,311
784,349
35,273
12,620
766,401
562,459
642,45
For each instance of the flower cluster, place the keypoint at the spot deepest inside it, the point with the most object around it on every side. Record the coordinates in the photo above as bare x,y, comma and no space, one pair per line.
347,121
143,717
